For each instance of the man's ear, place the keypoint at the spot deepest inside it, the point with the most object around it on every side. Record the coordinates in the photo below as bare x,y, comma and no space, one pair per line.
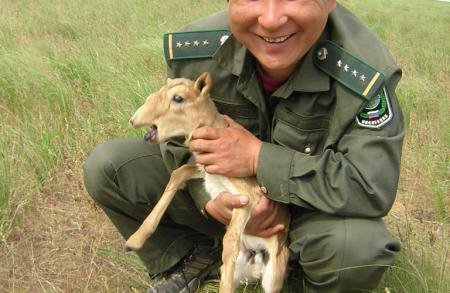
204,83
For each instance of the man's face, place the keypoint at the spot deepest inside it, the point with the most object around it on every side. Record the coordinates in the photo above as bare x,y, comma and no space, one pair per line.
279,32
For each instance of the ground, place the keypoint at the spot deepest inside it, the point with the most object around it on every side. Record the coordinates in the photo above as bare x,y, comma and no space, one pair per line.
66,244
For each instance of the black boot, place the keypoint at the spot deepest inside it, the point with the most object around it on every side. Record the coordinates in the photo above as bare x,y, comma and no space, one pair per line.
187,275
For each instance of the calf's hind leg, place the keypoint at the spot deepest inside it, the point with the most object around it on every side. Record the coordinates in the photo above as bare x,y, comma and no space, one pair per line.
231,248
273,276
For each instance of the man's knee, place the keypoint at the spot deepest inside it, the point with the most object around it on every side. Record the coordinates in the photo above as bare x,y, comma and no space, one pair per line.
98,171
367,252
125,170
344,255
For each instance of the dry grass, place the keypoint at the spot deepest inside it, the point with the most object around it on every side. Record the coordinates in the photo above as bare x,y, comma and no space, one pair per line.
65,244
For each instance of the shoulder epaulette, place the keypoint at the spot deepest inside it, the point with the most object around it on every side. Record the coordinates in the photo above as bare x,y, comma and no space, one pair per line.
193,45
350,71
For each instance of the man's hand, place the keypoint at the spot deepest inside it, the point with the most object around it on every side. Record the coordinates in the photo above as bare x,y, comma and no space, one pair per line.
262,222
222,206
231,151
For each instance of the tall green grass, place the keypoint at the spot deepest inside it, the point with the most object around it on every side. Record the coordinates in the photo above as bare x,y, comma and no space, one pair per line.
416,32
72,72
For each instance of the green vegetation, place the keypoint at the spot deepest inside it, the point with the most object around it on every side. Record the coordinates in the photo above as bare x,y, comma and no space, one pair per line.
72,73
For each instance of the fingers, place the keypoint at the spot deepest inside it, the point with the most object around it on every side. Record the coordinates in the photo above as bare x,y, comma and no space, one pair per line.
221,215
211,169
269,221
206,132
203,138
263,204
264,207
205,158
233,201
222,206
206,140
262,222
200,145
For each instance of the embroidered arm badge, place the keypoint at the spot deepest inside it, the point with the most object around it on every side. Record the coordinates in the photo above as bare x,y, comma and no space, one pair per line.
377,113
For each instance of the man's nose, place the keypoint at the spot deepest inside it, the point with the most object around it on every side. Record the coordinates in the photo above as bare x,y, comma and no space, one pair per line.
272,15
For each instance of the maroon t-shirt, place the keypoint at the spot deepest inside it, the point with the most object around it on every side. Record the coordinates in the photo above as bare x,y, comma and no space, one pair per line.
269,84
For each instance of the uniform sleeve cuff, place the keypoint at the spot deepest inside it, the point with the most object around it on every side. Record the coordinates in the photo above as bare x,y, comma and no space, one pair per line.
274,170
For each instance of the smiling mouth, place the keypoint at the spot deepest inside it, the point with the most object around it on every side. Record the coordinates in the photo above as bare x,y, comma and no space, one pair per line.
277,40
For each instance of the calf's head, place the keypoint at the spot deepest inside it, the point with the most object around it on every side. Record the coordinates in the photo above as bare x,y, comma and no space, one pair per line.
177,109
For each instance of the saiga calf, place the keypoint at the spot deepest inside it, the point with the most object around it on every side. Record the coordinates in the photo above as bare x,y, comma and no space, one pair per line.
178,109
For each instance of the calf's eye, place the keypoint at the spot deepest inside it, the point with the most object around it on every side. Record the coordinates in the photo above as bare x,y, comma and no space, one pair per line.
177,99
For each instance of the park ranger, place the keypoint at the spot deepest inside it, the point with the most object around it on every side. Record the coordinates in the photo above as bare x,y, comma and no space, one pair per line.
311,92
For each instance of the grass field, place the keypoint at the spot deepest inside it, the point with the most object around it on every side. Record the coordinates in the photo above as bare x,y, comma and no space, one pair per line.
72,73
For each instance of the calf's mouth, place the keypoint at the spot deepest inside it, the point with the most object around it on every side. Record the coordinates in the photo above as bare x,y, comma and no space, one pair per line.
152,134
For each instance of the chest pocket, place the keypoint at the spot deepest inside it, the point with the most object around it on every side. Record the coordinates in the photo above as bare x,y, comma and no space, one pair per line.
306,134
243,113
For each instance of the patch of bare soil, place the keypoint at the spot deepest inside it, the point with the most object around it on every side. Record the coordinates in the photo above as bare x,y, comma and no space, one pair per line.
66,244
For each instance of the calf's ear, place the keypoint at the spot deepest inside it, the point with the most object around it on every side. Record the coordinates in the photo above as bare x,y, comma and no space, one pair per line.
203,83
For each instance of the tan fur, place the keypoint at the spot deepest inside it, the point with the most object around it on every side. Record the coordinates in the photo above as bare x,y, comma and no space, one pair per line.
182,119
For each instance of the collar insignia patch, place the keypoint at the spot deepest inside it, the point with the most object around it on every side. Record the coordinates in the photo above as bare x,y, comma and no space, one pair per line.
377,113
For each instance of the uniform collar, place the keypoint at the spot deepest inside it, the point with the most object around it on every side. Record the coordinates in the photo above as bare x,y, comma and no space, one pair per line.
307,77
232,56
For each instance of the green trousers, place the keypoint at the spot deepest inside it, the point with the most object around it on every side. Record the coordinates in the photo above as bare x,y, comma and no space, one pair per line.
125,177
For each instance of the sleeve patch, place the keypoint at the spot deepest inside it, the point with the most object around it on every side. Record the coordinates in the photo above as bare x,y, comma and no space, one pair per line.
377,113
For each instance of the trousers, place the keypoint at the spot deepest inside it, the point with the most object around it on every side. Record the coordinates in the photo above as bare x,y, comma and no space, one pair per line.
126,177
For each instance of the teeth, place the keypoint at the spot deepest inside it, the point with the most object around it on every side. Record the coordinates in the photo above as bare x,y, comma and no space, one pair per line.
276,40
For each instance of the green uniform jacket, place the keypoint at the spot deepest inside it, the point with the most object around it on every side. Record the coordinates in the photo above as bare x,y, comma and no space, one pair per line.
314,155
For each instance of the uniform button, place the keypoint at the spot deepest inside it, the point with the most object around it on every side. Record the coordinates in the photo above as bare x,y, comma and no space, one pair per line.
307,150
264,189
322,54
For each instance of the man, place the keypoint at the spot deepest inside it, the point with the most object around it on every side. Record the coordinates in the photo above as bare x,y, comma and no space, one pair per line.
314,91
